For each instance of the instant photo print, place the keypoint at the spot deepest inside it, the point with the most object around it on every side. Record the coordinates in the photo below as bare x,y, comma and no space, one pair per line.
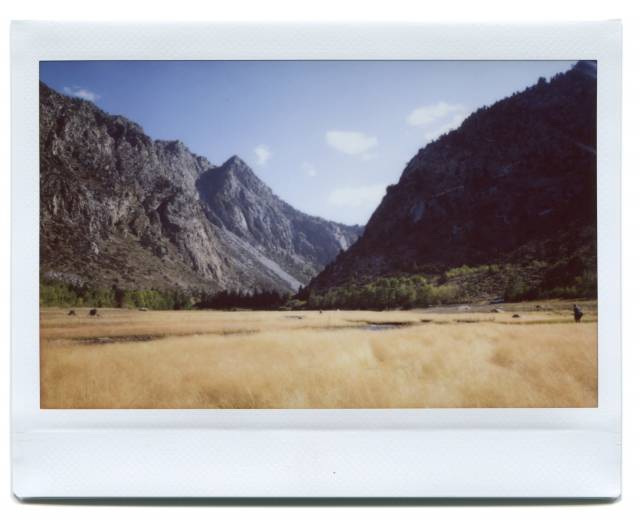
315,261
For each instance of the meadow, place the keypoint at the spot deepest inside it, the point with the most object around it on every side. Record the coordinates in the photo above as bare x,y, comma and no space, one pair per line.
448,357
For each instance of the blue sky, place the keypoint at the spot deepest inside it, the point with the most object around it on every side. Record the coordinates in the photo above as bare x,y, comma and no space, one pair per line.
327,136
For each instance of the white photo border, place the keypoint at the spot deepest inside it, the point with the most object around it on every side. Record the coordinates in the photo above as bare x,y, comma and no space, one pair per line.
567,453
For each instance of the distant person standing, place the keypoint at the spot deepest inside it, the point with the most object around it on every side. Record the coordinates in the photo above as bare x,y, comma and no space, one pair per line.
577,313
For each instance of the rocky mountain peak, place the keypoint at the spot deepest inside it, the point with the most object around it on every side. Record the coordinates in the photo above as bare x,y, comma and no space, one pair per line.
235,161
238,200
237,174
118,209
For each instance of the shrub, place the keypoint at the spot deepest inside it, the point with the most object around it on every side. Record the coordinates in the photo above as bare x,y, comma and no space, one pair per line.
518,290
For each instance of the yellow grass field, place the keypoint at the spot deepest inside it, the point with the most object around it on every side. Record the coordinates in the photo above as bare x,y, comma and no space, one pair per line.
436,358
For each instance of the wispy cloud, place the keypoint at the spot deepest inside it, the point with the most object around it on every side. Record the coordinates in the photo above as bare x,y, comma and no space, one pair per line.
357,196
309,169
437,119
445,127
426,115
80,92
263,154
350,142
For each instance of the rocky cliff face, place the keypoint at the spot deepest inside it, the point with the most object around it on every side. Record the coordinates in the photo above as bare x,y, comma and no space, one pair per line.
118,208
241,203
515,183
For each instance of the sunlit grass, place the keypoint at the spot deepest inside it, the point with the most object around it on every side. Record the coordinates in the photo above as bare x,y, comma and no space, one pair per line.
196,359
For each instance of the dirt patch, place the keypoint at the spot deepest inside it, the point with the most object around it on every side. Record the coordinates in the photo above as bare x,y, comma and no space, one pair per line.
232,332
383,326
117,339
397,324
107,340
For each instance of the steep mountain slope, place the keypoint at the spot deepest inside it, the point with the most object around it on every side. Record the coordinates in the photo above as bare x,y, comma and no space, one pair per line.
515,183
117,208
240,202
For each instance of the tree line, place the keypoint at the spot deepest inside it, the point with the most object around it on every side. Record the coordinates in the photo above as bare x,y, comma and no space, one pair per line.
567,278
56,293
255,300
384,293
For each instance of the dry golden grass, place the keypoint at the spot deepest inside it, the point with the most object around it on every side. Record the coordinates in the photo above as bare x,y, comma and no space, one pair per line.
444,359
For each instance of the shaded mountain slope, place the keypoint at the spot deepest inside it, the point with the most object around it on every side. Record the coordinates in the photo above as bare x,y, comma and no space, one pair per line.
514,184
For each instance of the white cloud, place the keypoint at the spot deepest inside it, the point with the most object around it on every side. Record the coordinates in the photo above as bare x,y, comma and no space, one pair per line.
437,119
426,115
450,124
79,92
350,142
357,196
263,154
309,169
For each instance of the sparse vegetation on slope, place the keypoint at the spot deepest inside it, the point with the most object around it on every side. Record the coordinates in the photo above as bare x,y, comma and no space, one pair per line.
568,278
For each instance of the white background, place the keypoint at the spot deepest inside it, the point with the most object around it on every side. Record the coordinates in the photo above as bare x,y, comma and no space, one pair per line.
358,11
330,453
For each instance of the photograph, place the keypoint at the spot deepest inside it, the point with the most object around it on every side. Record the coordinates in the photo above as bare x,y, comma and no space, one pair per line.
318,234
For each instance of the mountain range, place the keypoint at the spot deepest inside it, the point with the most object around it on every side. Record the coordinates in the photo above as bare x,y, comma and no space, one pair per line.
120,209
513,189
